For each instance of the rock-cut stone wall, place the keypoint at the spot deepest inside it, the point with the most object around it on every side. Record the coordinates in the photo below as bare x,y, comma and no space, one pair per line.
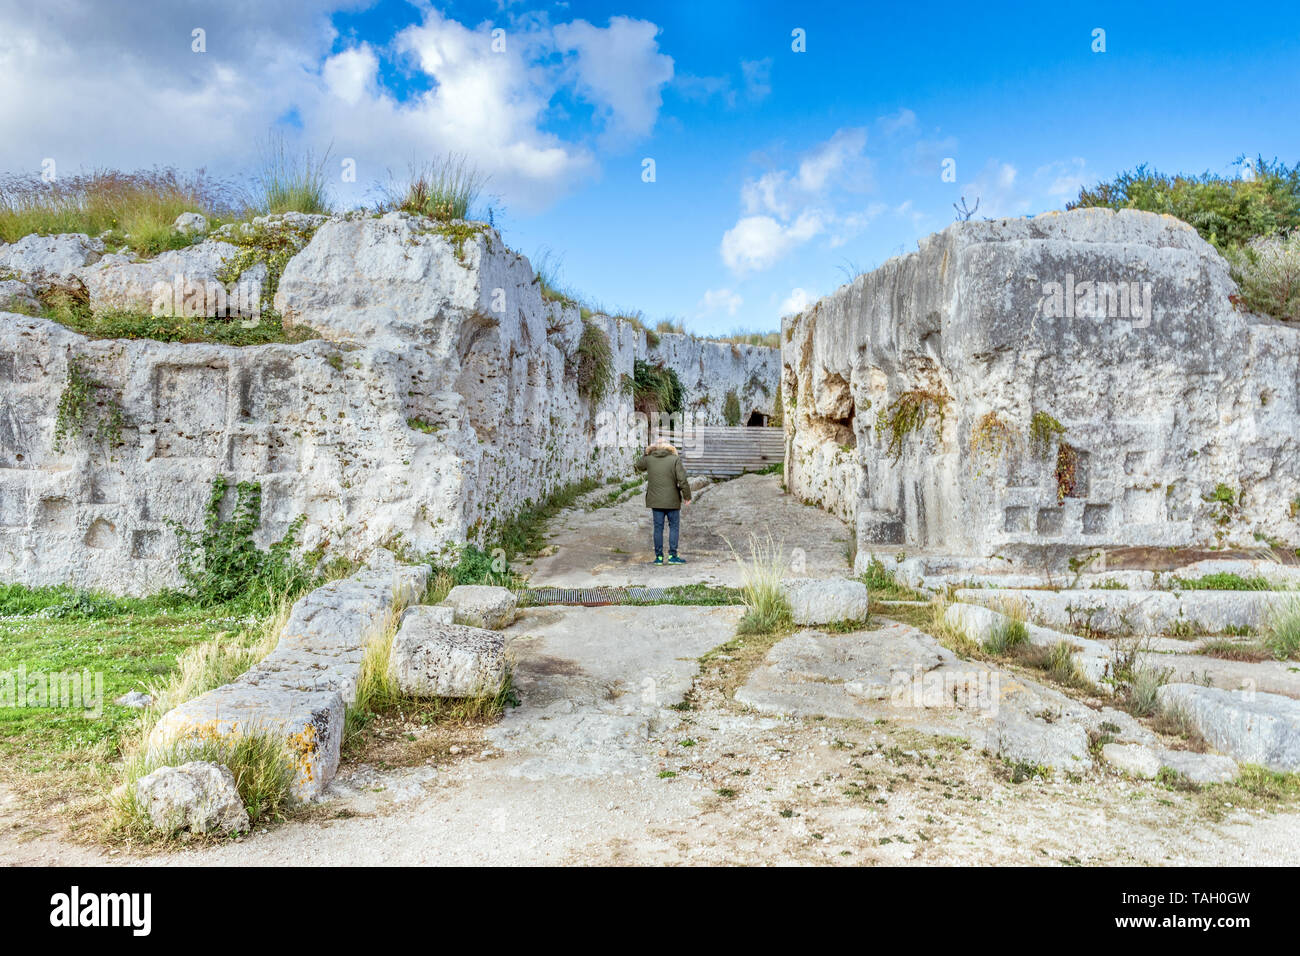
1026,389
441,395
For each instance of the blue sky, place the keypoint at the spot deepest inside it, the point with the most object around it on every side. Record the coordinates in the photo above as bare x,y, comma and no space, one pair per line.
775,171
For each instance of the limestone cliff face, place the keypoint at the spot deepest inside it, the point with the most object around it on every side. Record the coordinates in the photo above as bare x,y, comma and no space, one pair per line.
441,396
1031,388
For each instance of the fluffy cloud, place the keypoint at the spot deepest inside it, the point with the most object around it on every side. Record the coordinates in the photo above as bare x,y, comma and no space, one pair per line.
758,242
168,105
619,69
784,208
795,302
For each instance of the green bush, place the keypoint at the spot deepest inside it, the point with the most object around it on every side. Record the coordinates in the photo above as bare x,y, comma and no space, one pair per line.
1252,222
1267,270
731,408
1227,212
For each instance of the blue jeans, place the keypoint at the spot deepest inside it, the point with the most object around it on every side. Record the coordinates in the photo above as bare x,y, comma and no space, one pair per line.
674,516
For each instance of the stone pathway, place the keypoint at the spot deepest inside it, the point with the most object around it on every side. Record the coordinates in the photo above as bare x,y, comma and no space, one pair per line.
612,546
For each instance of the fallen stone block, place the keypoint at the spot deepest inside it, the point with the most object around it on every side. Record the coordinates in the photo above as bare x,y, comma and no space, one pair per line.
433,659
1200,768
1252,727
826,600
309,721
197,796
480,605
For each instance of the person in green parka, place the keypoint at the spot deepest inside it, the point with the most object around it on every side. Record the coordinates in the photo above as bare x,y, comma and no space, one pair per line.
667,491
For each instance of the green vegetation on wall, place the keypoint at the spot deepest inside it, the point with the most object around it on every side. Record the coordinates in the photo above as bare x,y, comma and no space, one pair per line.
656,389
85,401
595,359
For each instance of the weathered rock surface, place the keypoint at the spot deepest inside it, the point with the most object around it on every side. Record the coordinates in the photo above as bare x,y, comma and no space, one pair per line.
1139,612
197,796
190,222
49,261
134,699
479,605
1117,325
904,675
1146,762
432,659
444,397
177,282
1133,759
1251,727
825,600
15,294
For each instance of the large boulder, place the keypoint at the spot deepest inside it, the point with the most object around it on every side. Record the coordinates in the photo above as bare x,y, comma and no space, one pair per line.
1253,727
433,659
197,796
825,600
480,605
49,261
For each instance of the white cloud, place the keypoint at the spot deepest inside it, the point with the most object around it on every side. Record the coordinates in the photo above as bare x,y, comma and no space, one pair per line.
904,119
1063,178
719,300
163,104
351,74
619,68
784,208
758,242
997,189
795,302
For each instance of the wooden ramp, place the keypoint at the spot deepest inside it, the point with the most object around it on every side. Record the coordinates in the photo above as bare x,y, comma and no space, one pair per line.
727,451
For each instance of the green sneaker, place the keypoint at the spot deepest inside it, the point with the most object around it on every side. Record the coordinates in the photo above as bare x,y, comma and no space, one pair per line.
659,559
673,559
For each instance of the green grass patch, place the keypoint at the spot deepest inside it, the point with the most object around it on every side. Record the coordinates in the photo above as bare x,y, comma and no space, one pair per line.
1222,581
882,584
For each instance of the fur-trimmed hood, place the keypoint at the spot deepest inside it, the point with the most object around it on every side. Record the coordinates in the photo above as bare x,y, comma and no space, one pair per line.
661,448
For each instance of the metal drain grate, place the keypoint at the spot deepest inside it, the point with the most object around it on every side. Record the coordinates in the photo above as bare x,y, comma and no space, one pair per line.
587,597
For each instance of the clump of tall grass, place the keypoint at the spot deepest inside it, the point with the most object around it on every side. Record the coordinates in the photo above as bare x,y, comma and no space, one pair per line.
377,693
442,189
1282,630
1009,631
134,208
1141,689
767,611
263,769
289,181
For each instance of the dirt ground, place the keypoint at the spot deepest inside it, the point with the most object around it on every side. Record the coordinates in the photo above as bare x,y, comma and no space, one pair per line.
626,749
